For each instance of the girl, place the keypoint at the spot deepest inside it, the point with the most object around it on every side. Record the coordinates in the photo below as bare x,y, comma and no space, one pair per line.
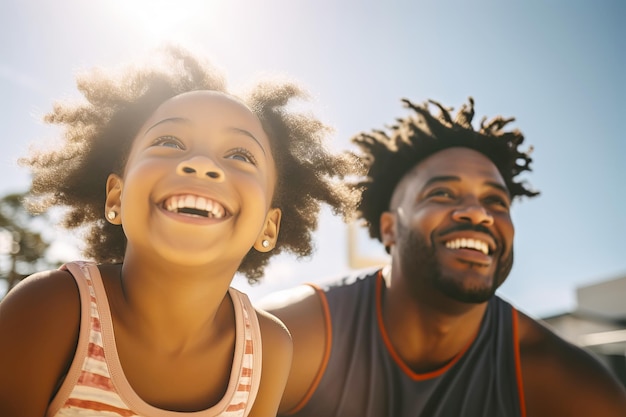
179,185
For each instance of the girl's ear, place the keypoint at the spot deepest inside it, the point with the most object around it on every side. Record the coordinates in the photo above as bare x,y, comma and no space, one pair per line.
388,229
113,203
269,235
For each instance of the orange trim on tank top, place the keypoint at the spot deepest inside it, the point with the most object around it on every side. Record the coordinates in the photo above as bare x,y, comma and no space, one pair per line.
394,355
325,358
518,365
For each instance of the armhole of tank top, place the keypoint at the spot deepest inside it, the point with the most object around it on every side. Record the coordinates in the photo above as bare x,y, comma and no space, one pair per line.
243,301
80,353
518,362
326,356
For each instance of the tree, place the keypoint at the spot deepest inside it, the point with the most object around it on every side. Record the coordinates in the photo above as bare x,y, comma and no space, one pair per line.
22,246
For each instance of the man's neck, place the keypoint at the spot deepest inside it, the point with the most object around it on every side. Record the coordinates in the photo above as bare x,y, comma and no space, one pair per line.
427,331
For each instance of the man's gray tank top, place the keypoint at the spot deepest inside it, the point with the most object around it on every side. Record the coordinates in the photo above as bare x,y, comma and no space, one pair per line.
364,377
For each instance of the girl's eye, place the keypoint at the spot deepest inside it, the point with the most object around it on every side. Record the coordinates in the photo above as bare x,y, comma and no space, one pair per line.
168,142
242,154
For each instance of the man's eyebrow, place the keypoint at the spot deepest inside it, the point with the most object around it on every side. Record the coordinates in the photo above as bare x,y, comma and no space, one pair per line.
448,178
442,178
498,186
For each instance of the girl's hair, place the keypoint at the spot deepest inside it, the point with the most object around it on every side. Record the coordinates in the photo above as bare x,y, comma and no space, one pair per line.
388,156
99,132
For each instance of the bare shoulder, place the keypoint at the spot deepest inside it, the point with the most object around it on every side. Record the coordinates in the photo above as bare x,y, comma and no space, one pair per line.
39,321
290,301
43,301
302,310
274,333
561,379
277,351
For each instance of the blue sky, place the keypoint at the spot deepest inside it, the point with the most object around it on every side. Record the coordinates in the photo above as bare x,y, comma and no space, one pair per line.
557,66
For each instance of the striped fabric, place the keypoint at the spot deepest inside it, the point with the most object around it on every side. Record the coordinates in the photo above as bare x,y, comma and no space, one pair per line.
96,386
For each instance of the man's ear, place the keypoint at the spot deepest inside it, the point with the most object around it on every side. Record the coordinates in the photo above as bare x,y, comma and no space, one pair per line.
388,229
269,235
113,203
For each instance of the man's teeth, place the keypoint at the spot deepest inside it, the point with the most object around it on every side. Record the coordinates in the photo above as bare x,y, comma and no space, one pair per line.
195,205
464,243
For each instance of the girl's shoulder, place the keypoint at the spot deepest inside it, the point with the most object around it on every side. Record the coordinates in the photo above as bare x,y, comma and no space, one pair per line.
277,355
272,329
41,300
39,323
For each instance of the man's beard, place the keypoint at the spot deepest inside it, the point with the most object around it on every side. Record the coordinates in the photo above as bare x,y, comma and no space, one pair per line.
418,261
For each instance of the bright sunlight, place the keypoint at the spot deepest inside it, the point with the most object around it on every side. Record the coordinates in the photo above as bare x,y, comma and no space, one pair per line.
160,20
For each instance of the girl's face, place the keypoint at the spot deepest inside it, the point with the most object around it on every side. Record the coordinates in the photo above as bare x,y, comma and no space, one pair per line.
198,183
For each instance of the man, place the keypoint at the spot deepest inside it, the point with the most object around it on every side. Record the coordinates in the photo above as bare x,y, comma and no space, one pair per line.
427,336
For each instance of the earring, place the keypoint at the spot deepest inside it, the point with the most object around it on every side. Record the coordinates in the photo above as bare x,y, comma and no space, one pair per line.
111,215
265,243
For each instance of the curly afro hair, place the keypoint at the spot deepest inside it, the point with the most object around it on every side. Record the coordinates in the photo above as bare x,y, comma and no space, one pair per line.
98,134
389,155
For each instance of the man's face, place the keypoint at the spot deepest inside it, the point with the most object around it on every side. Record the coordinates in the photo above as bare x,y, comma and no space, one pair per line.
450,227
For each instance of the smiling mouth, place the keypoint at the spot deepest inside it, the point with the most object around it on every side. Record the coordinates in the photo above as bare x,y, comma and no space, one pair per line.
193,205
468,243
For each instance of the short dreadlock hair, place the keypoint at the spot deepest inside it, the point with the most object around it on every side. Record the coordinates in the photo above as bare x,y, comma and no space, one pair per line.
389,155
98,134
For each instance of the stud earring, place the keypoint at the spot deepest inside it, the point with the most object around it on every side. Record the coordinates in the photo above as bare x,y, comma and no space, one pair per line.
265,243
111,215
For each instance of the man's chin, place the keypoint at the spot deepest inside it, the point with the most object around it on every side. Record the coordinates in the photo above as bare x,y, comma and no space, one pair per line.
460,291
474,297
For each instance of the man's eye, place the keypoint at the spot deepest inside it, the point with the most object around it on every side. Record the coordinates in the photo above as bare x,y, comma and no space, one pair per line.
169,142
441,193
242,154
498,201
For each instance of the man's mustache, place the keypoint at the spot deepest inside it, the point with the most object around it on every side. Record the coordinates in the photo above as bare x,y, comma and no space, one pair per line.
465,227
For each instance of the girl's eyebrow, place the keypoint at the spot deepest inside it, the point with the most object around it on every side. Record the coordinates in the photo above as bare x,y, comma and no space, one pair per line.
170,119
247,133
187,121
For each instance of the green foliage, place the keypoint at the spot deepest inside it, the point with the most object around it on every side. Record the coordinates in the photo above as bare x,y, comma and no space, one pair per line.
22,246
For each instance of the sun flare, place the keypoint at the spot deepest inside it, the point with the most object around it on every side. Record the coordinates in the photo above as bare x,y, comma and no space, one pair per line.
167,19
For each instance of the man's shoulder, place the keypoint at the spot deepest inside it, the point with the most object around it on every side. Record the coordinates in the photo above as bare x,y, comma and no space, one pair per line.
310,293
351,282
538,343
306,311
559,376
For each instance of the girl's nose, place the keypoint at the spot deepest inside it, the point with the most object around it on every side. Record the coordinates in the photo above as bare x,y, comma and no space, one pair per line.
202,167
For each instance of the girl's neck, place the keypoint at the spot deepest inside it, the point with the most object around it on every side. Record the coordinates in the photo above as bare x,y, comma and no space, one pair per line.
168,301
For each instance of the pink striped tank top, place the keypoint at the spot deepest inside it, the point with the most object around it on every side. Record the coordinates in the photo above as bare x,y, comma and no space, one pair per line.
96,386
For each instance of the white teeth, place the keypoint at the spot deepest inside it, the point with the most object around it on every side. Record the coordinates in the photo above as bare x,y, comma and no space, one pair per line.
181,203
190,201
201,203
476,244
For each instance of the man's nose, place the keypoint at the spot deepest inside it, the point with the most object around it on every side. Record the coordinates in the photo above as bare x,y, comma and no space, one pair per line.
472,212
